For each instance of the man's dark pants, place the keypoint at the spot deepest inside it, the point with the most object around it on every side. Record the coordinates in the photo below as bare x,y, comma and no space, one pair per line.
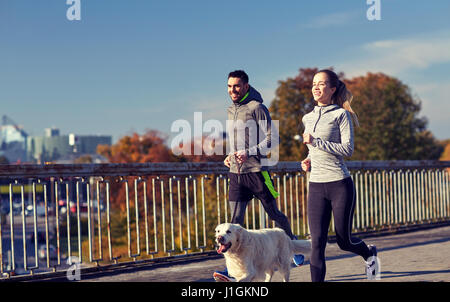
244,187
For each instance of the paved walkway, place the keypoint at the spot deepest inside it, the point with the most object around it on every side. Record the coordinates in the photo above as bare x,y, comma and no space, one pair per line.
414,256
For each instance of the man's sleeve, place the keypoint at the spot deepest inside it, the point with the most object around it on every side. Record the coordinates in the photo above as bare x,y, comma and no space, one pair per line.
267,133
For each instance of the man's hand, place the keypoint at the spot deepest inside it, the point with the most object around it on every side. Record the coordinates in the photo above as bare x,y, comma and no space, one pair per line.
227,162
241,156
306,165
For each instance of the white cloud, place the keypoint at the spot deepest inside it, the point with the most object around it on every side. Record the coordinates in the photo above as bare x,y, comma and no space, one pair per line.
435,99
407,59
398,56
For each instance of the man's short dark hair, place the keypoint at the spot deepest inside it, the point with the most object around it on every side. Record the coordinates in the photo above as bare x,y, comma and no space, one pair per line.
239,74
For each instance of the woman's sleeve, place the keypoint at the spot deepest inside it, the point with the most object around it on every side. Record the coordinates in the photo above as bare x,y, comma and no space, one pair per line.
345,147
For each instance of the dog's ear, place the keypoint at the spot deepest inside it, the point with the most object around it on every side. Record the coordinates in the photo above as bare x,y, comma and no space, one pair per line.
239,232
241,235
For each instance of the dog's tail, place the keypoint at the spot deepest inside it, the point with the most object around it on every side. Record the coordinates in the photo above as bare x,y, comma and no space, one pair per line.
301,246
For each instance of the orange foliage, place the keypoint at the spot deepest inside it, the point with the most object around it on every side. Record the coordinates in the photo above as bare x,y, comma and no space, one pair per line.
149,147
446,154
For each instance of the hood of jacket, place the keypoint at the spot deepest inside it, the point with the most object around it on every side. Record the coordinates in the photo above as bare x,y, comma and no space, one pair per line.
251,95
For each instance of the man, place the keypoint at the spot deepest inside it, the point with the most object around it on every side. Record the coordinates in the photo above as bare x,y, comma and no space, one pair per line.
250,138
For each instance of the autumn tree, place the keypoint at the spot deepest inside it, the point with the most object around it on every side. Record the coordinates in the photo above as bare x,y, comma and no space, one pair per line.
135,148
390,128
152,147
446,153
207,145
292,101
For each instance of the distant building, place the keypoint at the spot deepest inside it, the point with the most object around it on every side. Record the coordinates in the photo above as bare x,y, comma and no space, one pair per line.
17,146
87,144
55,147
13,141
50,132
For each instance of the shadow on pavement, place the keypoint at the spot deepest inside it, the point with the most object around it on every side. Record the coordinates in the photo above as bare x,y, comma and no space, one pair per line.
390,274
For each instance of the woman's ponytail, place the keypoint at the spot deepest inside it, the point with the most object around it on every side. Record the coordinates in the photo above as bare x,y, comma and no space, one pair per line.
342,96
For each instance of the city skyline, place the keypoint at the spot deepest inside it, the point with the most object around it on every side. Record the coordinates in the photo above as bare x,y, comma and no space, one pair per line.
16,146
134,65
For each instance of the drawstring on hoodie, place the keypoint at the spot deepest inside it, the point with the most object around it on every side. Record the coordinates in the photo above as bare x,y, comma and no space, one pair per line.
239,168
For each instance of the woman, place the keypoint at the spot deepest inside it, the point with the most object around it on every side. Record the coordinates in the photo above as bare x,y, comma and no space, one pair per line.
329,137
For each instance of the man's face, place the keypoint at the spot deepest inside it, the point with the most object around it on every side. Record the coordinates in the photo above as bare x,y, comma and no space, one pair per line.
237,89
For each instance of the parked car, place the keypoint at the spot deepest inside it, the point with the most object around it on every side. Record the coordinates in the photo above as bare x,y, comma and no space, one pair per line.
40,237
62,206
40,210
4,208
42,252
29,210
83,207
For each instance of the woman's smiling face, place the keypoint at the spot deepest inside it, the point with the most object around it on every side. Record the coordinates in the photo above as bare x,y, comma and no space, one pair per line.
321,89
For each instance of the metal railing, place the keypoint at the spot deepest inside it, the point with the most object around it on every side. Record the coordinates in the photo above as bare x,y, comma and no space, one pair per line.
146,212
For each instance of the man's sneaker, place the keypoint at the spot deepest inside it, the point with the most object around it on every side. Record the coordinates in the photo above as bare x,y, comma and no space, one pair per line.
222,276
372,264
299,260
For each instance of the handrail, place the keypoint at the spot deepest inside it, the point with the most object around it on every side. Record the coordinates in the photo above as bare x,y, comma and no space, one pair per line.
181,168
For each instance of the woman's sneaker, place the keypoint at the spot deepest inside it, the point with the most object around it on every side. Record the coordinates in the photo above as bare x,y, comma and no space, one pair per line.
222,276
373,264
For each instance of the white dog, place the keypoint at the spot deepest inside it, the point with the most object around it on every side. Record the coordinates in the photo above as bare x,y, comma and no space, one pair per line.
254,255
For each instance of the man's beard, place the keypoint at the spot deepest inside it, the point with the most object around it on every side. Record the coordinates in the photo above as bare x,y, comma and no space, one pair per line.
238,99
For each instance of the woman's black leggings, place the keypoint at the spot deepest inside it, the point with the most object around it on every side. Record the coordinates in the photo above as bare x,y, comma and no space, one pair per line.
323,199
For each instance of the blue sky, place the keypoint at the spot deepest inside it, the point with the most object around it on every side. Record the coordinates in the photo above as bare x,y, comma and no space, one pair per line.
131,65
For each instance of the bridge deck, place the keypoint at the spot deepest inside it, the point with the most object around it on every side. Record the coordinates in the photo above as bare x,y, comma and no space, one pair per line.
422,255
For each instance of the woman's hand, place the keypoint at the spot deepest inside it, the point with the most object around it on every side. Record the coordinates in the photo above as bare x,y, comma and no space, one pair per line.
306,165
307,138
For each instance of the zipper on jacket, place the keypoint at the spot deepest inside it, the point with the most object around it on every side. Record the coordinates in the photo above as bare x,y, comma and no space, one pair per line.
320,113
234,122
